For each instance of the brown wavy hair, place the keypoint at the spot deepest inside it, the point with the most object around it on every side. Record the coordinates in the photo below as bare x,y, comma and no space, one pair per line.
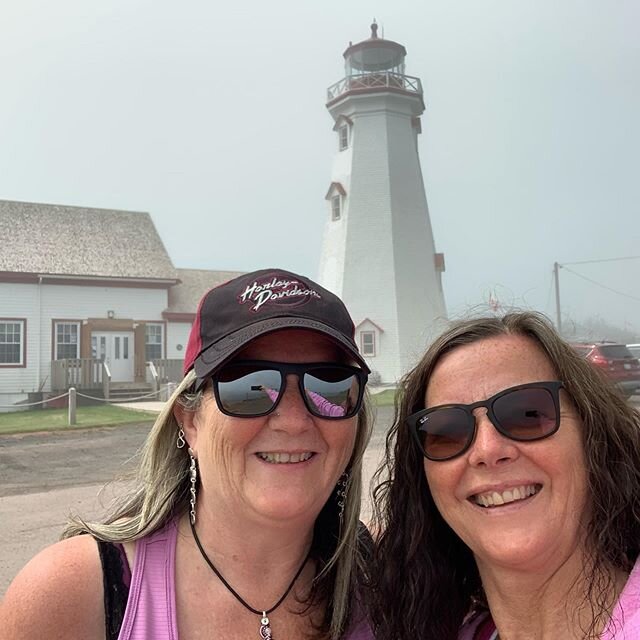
424,579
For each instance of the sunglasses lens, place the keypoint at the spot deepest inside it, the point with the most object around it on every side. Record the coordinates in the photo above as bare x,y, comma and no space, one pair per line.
332,392
245,390
526,414
445,433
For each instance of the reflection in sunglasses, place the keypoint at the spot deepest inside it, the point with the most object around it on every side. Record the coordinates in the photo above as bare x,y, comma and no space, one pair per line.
252,388
324,406
524,413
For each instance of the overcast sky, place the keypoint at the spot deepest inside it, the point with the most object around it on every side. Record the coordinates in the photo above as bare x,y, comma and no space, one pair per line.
211,116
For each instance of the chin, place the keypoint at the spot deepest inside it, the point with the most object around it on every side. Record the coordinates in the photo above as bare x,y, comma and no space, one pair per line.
287,508
512,551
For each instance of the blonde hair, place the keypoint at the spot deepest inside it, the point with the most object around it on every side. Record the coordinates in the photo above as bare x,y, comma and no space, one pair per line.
160,492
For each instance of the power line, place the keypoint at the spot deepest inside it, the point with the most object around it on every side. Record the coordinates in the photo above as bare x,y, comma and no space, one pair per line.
599,284
603,260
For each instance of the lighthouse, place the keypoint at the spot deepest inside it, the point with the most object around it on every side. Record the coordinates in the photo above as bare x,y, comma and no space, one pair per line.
378,252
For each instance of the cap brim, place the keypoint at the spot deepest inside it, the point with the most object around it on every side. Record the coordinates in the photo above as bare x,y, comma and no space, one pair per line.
217,354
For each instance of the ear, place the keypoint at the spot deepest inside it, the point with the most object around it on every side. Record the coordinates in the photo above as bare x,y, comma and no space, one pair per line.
186,421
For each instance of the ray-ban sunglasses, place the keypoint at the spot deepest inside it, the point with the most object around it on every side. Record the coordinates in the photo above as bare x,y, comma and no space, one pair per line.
253,388
524,413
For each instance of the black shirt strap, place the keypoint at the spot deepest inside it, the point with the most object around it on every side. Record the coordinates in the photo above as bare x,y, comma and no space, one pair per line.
116,591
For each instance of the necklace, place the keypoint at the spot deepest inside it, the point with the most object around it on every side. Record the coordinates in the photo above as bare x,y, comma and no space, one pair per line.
265,624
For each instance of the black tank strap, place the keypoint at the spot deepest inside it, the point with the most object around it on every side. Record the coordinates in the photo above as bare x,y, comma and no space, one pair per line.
116,591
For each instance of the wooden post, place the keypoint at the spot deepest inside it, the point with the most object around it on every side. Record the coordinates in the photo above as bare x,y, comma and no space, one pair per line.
72,406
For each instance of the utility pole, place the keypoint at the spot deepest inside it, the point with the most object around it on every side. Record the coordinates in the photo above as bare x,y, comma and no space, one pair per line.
556,276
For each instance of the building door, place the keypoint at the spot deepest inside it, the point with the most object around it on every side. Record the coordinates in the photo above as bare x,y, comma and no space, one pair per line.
115,348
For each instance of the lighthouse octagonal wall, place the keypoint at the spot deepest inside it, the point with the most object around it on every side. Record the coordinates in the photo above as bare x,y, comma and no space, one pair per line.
380,256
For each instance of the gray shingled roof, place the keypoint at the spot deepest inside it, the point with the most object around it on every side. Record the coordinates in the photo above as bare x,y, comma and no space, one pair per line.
184,297
58,239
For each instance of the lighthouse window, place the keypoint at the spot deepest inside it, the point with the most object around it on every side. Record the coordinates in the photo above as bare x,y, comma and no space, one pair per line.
343,133
335,208
368,343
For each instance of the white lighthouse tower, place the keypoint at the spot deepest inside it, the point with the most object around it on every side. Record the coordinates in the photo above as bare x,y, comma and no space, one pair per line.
378,251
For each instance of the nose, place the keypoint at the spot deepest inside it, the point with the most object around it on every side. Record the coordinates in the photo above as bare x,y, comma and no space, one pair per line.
291,414
490,448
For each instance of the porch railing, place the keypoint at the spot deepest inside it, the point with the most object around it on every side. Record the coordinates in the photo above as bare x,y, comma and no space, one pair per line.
84,373
106,380
166,370
378,81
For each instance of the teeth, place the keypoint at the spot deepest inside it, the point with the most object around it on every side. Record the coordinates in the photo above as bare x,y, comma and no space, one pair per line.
284,458
494,499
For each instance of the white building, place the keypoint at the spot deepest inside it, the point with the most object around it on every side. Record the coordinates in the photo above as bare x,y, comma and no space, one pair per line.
378,250
90,297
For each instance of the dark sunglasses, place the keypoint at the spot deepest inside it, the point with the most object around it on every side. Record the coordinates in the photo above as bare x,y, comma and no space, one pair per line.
253,388
524,413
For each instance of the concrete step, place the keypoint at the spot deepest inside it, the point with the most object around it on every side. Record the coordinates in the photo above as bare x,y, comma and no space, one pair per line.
124,391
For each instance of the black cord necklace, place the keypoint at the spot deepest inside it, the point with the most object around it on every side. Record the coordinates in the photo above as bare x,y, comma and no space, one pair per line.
265,625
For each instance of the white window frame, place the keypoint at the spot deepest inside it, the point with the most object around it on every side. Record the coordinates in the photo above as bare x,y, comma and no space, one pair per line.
57,343
336,206
161,326
343,137
22,323
364,348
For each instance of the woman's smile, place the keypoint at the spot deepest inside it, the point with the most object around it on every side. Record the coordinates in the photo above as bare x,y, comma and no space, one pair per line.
284,457
490,499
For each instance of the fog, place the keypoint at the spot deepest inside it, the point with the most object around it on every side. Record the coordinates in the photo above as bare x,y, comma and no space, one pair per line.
211,117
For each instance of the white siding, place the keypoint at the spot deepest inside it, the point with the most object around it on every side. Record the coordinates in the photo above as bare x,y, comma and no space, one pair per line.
20,301
40,304
177,335
76,302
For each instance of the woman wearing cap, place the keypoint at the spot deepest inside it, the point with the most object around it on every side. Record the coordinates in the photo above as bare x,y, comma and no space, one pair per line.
243,521
513,505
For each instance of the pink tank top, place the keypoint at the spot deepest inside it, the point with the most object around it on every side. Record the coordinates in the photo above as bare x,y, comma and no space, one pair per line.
151,606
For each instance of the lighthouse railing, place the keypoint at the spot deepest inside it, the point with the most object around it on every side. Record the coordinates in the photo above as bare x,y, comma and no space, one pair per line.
377,80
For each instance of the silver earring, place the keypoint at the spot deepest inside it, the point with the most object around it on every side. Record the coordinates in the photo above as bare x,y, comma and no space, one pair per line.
180,442
193,479
341,495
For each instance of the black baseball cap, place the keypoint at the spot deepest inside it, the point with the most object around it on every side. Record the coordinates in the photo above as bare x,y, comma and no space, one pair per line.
234,313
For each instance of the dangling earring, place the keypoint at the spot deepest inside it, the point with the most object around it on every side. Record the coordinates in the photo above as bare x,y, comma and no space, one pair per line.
193,478
341,495
180,442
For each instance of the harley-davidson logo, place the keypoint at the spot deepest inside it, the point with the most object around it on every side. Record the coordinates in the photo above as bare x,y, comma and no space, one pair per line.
276,291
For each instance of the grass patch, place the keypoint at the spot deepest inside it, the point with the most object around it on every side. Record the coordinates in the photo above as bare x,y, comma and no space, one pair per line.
385,398
55,419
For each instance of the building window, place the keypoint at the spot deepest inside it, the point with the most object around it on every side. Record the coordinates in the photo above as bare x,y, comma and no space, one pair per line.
67,340
12,343
368,343
153,341
99,347
335,207
343,135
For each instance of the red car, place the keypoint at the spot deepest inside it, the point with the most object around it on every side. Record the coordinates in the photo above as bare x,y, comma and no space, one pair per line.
616,362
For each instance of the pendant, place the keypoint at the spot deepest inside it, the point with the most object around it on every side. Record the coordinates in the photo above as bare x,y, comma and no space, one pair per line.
265,627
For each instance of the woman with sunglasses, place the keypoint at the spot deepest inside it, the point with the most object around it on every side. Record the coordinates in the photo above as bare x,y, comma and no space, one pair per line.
512,504
243,519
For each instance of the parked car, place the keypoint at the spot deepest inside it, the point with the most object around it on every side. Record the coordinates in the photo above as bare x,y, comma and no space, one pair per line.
616,361
635,350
